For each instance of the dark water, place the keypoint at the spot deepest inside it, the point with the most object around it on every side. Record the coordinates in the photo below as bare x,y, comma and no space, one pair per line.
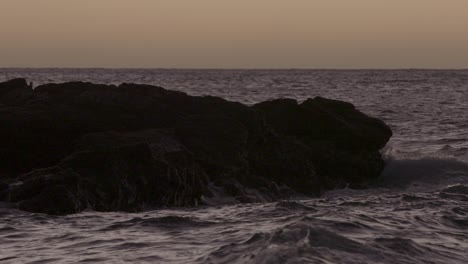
416,213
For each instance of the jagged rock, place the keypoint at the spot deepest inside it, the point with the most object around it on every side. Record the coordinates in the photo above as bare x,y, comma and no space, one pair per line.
344,142
72,146
112,171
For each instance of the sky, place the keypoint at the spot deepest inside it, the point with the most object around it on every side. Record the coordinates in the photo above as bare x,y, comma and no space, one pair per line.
345,34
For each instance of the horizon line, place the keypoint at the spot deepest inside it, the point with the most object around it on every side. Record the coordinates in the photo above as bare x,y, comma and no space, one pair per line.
228,69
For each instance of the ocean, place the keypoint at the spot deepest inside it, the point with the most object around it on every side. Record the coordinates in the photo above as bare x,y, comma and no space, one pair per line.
416,212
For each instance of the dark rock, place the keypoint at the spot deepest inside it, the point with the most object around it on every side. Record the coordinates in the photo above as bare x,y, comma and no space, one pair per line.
344,142
112,171
79,145
3,185
3,189
325,120
15,92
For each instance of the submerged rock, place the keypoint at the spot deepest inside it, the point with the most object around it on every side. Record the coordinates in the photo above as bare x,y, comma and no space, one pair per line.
74,146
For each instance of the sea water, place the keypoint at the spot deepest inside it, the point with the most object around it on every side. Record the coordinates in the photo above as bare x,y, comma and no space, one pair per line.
417,212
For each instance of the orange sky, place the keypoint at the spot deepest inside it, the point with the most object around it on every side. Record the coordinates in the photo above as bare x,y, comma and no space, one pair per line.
234,33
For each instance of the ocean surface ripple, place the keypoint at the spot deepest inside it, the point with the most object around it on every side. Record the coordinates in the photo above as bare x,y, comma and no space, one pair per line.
416,212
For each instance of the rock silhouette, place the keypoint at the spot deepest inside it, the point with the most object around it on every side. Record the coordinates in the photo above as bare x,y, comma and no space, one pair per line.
73,146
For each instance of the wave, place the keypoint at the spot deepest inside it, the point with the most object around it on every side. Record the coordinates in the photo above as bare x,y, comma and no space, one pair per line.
426,170
292,206
306,242
294,243
456,189
165,222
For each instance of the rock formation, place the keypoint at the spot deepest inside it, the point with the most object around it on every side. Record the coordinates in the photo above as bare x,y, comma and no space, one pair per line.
74,146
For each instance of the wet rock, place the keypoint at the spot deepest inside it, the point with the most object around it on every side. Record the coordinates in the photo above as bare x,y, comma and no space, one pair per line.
344,142
115,172
80,145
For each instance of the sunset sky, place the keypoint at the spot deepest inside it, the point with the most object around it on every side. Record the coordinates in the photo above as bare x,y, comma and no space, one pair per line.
234,34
